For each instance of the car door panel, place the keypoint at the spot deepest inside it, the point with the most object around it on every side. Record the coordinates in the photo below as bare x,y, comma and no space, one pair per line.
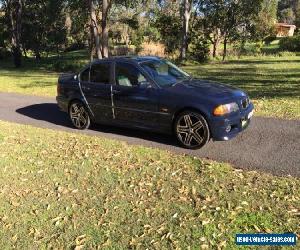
97,92
134,103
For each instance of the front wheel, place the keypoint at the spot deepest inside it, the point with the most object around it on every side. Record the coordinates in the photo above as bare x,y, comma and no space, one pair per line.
191,130
79,115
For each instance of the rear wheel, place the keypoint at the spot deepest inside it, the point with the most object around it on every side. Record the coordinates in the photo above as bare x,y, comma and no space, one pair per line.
79,115
191,130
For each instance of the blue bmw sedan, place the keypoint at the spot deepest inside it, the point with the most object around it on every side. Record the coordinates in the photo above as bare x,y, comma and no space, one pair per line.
153,94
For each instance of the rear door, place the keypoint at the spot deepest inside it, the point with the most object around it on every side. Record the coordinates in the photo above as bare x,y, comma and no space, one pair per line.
135,100
97,91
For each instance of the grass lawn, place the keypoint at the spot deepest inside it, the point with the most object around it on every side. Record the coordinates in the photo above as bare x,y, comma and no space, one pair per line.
62,190
272,82
37,78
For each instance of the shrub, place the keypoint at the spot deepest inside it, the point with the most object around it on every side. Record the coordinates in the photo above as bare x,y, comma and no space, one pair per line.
153,49
66,66
268,40
74,47
200,50
290,44
4,53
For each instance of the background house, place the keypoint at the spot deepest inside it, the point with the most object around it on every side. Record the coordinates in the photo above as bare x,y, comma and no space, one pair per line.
284,30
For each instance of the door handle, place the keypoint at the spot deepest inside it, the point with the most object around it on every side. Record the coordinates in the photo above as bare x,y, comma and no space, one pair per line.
116,91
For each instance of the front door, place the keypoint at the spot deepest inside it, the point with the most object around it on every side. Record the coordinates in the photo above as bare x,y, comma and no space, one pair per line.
97,91
135,100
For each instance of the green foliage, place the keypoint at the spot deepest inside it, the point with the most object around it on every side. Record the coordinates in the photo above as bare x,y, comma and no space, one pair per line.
44,32
290,44
67,66
268,40
200,50
262,24
169,28
230,20
287,16
4,53
288,11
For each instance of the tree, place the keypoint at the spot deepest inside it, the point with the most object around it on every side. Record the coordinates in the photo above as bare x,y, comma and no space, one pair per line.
44,32
288,11
263,24
186,15
230,20
297,21
287,16
210,21
95,33
14,10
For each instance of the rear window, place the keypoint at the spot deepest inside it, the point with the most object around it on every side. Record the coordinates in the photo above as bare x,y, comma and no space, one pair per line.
100,73
85,75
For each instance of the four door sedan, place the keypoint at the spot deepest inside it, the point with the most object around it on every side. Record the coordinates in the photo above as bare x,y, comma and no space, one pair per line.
153,94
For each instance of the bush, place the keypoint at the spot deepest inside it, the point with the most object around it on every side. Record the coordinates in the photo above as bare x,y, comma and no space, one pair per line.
290,44
268,40
74,47
67,66
200,50
4,53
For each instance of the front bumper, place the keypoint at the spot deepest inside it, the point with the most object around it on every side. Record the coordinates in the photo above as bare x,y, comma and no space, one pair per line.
226,128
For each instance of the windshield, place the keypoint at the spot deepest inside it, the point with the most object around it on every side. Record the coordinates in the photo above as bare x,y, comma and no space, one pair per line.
164,72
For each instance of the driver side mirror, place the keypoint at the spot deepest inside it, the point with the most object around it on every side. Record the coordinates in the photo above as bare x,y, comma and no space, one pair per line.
145,85
76,77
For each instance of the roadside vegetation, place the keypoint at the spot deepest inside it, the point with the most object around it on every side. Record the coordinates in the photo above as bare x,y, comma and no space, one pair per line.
89,192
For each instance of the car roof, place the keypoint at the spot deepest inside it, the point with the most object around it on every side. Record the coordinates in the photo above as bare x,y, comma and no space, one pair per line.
137,59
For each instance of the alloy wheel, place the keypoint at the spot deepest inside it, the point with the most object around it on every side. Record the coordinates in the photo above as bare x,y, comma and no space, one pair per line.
79,116
192,130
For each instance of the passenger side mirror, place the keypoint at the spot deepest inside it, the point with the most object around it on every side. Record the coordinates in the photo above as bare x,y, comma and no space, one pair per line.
76,77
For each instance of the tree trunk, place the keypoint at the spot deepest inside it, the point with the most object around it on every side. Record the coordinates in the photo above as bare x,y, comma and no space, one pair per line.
15,13
94,29
215,46
105,9
24,52
91,44
216,42
187,9
225,48
37,54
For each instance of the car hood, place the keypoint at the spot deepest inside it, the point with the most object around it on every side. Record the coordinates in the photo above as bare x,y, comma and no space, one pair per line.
208,89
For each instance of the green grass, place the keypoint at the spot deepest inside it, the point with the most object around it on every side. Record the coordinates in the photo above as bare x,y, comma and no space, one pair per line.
62,190
272,82
38,78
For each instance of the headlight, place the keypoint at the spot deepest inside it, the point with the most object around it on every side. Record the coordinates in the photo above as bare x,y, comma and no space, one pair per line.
226,109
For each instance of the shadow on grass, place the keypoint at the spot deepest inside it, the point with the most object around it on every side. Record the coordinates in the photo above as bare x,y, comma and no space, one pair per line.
49,112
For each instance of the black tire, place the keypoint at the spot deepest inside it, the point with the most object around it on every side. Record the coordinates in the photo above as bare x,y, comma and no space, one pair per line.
79,115
191,130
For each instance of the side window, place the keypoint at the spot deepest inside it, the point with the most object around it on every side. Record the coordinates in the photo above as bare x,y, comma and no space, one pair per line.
100,73
128,75
85,75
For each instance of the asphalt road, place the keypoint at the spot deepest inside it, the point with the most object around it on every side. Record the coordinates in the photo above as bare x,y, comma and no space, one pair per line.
269,145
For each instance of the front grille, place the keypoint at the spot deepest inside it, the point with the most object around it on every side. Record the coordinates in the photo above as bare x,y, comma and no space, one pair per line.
245,103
